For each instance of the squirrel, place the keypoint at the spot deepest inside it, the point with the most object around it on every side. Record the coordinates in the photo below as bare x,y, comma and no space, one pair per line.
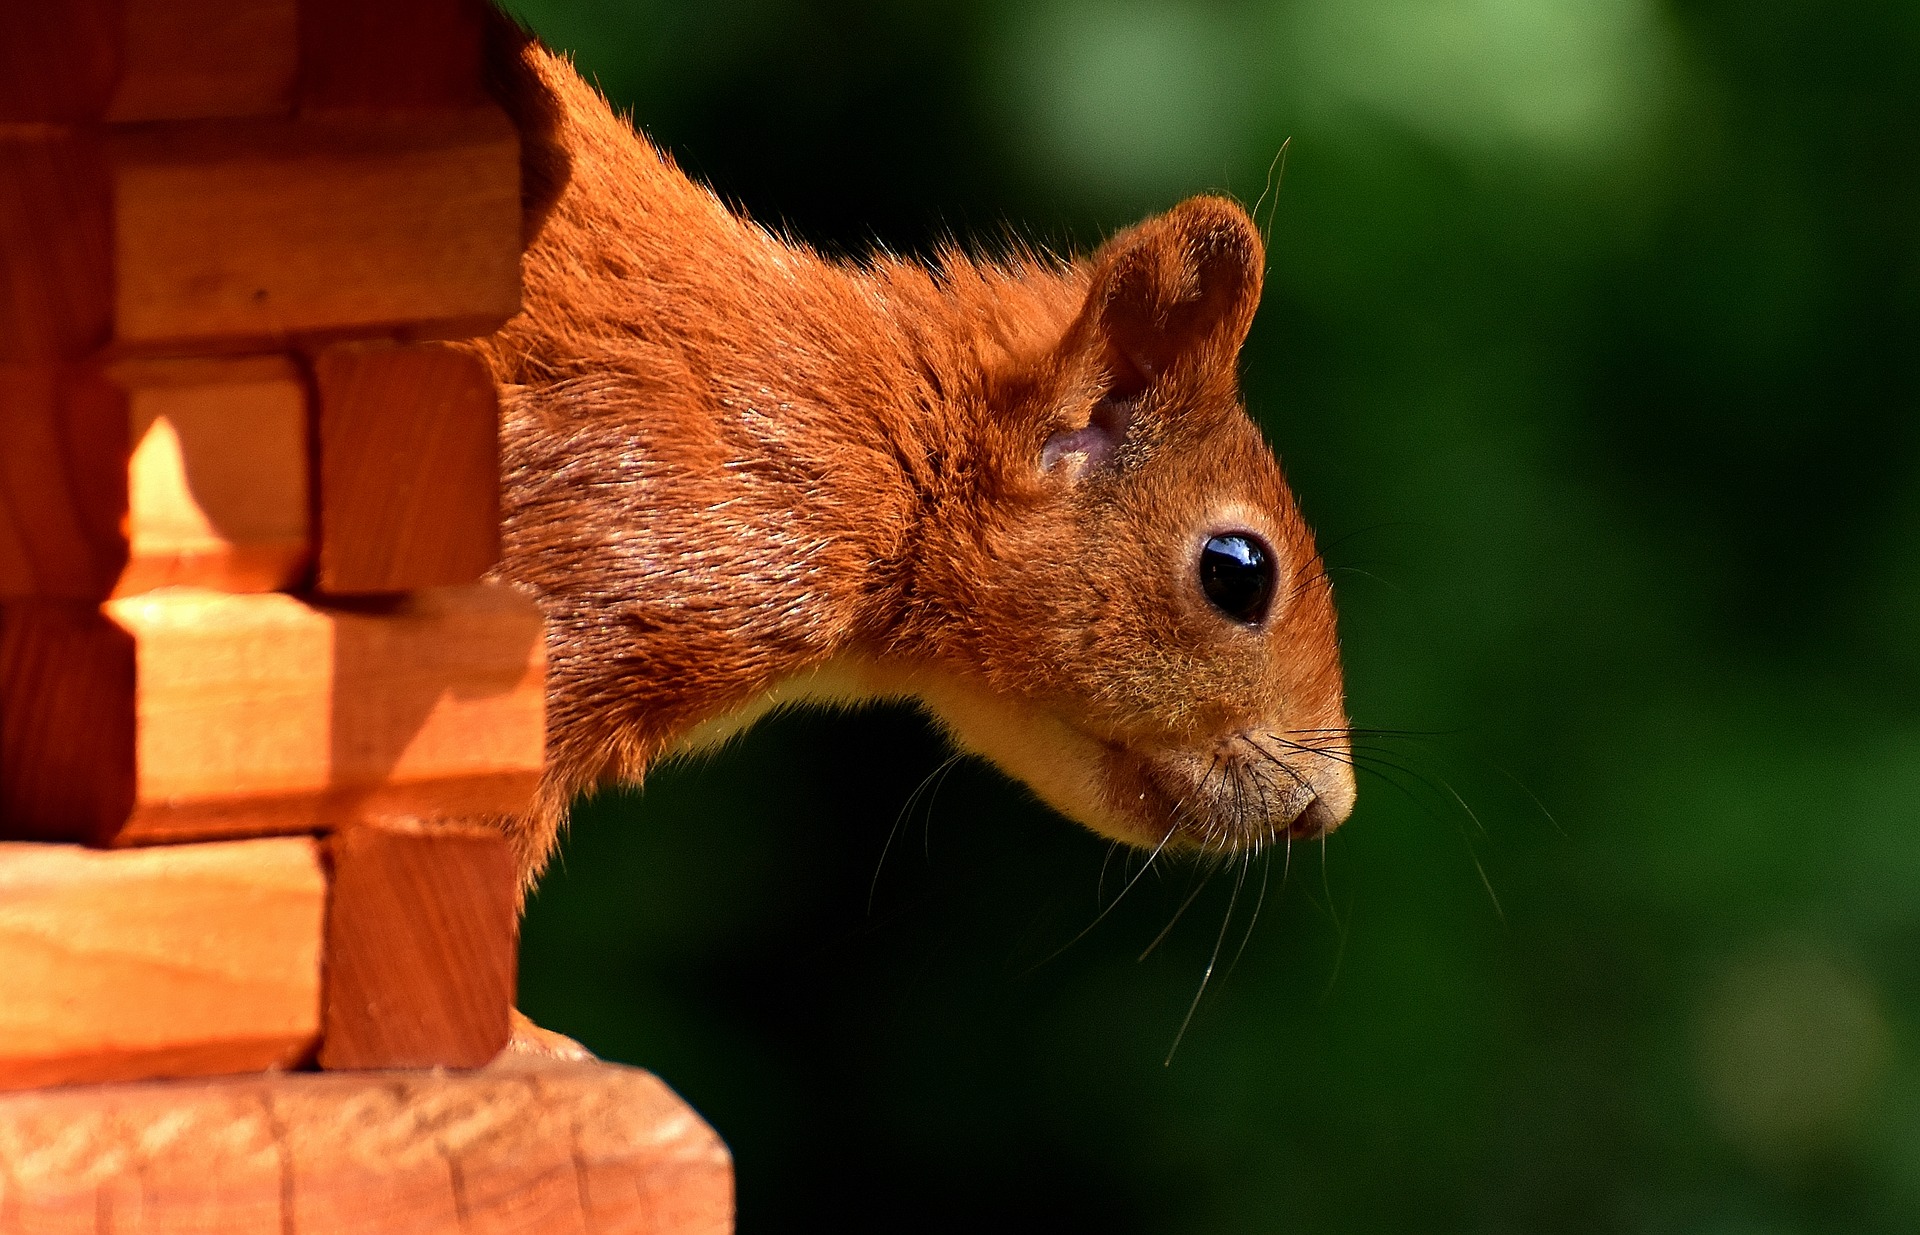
1024,494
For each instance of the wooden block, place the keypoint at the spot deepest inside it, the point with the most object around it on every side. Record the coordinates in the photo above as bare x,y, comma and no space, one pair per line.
184,714
217,477
244,234
381,54
263,231
422,938
199,59
179,961
546,1147
56,268
80,60
68,750
153,473
409,467
58,61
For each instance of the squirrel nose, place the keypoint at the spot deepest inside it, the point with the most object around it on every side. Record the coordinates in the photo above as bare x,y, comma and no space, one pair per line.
1331,803
1317,819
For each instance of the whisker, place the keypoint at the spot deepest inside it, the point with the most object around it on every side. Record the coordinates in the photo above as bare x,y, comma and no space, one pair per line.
1368,530
1320,552
873,887
1280,161
1341,930
1390,733
1313,573
1326,875
1276,761
1100,885
1367,574
1439,785
1266,869
1166,930
1531,796
1416,736
1232,900
1488,885
926,830
1102,915
1375,762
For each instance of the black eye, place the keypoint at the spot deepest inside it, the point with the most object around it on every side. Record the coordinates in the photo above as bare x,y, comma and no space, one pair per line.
1236,573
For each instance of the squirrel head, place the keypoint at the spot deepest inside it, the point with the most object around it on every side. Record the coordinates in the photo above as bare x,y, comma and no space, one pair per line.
1120,603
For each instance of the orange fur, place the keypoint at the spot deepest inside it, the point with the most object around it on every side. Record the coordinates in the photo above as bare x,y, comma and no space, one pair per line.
737,473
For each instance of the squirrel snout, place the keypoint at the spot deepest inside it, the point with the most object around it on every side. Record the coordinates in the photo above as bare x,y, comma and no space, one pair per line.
1253,789
1332,800
1316,820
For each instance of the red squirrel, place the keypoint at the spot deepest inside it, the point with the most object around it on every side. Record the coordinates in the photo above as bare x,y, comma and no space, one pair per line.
1023,494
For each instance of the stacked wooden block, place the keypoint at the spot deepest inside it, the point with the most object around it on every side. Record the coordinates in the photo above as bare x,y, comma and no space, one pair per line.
260,715
246,505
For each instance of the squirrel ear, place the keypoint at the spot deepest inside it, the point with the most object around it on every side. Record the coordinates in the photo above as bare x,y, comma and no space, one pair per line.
1179,286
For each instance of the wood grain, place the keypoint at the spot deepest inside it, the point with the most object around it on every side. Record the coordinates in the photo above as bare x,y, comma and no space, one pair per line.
58,61
148,474
185,714
216,476
521,1146
63,484
178,961
262,231
80,60
409,468
422,939
56,268
199,59
247,233
379,54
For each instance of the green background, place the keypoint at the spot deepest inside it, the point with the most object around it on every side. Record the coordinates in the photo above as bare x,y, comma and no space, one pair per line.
1589,344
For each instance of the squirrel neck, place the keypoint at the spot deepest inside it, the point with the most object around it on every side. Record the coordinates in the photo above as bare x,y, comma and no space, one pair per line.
717,446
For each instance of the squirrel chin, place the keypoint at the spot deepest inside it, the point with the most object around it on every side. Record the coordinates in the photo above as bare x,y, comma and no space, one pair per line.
1237,793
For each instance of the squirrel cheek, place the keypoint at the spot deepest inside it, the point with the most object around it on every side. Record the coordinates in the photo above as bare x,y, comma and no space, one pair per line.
1066,768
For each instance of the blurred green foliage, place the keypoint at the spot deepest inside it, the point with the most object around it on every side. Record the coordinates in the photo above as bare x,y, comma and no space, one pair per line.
1590,345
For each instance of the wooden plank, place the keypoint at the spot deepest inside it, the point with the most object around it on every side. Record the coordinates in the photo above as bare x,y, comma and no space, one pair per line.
151,474
185,714
409,468
217,477
58,61
200,59
688,1183
422,939
56,275
230,1140
379,54
245,234
262,231
547,1147
185,960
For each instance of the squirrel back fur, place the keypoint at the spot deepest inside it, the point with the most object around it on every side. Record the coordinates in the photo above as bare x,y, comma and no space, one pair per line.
737,474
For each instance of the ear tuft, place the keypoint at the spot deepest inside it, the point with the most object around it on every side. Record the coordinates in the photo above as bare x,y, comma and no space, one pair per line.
1180,285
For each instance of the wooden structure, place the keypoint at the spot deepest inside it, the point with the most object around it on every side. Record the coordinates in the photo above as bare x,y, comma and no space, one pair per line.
259,707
